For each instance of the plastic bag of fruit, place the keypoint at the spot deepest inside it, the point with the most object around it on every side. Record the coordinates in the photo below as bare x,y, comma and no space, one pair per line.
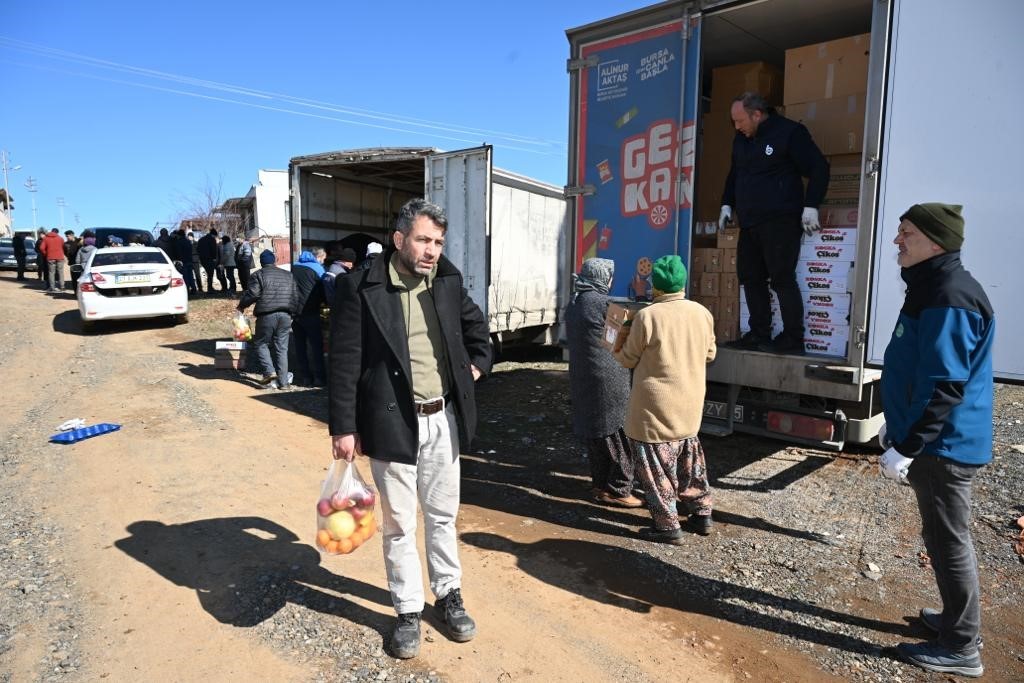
240,328
344,512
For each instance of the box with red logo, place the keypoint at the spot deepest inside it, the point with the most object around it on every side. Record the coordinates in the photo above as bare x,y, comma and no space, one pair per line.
816,276
838,215
813,249
826,339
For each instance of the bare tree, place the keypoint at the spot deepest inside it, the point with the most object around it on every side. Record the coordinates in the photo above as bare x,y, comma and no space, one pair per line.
205,208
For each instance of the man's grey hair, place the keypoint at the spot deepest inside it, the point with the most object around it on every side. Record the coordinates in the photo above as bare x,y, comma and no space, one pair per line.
318,252
753,101
420,207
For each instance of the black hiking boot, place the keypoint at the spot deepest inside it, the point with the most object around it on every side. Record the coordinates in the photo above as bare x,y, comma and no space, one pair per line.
748,342
699,524
449,609
405,638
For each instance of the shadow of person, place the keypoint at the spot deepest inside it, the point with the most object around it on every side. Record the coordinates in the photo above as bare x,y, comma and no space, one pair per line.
245,569
635,581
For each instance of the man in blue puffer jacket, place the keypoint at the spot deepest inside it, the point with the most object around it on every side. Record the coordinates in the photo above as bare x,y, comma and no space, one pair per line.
937,396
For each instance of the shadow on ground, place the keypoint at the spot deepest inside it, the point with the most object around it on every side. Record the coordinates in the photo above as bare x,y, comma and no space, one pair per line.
245,569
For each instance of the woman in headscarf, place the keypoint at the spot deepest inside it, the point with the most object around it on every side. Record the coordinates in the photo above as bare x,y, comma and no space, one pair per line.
599,388
669,346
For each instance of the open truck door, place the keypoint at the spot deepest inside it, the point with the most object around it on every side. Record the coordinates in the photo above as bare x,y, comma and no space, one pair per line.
460,183
633,97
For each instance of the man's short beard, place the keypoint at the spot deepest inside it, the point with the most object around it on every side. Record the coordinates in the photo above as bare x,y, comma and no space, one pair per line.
410,264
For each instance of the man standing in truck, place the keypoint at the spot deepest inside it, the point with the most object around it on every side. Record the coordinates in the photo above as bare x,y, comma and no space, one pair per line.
771,156
937,392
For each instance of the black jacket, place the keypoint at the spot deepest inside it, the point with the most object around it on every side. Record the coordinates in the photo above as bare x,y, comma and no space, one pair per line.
309,291
270,289
207,248
765,181
370,388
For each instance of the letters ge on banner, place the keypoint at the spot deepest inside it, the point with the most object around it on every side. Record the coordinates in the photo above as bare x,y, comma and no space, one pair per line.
648,163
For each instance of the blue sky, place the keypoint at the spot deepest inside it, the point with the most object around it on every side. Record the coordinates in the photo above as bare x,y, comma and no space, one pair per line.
124,109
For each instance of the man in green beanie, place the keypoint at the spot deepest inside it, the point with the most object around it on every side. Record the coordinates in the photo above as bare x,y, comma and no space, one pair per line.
937,392
668,348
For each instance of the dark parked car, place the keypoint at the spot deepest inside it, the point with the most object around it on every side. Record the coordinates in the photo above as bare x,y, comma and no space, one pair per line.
127,235
7,261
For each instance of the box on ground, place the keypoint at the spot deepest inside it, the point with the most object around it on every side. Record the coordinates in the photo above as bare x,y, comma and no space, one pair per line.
617,322
834,68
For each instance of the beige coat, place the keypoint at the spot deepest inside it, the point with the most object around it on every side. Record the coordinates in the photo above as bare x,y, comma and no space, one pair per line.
669,346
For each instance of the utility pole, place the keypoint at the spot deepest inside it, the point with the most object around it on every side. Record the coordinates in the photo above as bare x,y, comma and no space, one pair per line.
33,186
61,203
6,159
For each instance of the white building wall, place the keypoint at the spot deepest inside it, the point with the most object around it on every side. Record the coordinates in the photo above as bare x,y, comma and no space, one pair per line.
271,192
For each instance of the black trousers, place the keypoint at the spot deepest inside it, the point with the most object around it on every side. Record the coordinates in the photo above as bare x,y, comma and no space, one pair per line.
612,463
243,274
767,254
943,489
20,258
210,267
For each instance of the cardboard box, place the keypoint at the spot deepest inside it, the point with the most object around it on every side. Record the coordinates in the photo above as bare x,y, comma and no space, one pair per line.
845,174
705,261
726,330
231,345
229,359
832,276
711,303
696,265
826,340
836,124
728,238
617,322
814,249
835,68
838,215
729,81
826,316
834,236
829,301
729,286
728,260
710,284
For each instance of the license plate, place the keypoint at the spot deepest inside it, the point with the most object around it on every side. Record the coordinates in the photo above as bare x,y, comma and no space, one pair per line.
131,277
720,410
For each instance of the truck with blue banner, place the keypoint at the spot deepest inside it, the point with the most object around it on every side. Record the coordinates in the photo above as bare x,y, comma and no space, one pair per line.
650,138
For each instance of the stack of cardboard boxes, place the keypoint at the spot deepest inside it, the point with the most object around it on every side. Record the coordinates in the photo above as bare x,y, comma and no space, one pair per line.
714,284
825,86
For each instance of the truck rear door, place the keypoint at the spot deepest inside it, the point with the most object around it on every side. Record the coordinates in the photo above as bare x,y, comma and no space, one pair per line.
957,150
460,182
634,106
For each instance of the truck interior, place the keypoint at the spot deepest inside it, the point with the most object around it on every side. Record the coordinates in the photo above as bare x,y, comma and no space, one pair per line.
742,397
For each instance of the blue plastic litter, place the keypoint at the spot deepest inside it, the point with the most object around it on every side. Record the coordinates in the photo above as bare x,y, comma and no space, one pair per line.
76,435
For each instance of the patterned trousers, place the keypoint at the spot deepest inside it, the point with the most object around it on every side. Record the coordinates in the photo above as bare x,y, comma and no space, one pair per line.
670,473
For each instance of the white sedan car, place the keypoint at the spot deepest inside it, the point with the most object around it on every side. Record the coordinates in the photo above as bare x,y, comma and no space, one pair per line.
120,283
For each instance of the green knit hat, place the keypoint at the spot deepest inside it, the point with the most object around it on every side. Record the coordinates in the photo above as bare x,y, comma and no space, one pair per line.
941,223
668,274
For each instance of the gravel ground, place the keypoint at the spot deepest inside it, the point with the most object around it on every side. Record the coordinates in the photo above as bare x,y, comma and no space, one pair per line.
812,549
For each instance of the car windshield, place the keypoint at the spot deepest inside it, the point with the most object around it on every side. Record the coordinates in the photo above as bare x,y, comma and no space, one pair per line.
121,258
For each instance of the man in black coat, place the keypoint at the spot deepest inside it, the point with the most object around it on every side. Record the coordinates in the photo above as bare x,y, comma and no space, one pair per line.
207,248
20,253
407,345
771,156
272,290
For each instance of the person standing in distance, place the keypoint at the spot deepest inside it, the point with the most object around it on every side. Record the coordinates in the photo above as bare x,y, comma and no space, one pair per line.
771,156
937,391
407,345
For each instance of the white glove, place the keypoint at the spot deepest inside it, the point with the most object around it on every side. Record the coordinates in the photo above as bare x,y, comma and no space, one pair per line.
883,437
811,222
725,216
894,466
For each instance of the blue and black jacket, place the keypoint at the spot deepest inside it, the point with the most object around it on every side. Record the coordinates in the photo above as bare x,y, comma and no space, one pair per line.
937,378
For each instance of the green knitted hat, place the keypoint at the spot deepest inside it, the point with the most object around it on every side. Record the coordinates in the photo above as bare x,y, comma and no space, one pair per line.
668,274
941,223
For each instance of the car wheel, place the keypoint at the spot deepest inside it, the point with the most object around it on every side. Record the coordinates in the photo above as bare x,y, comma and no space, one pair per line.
181,319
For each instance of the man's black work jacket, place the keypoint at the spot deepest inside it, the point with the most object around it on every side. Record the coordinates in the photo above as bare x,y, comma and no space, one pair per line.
766,178
370,387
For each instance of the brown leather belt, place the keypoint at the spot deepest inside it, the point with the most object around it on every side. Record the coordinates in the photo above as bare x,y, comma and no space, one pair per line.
430,407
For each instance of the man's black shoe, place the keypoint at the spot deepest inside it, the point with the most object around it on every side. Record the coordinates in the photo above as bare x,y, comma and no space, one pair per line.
670,536
784,345
748,342
700,524
449,609
932,619
405,638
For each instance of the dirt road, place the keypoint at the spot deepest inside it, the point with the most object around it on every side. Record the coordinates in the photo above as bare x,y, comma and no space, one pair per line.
180,547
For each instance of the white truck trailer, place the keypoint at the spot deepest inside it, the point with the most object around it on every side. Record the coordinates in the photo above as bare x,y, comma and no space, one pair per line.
507,233
940,124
